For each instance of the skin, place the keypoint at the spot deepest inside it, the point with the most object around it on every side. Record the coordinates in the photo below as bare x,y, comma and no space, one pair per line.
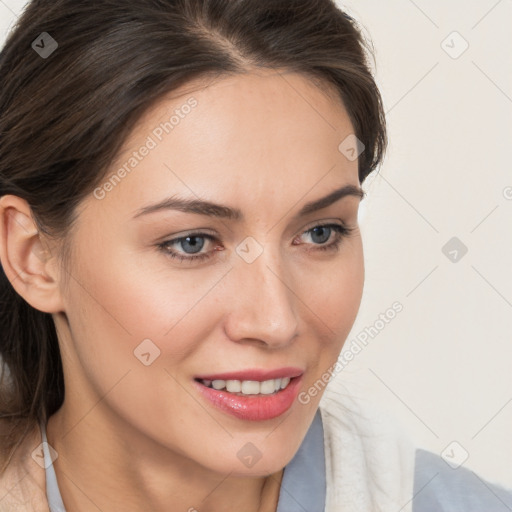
136,437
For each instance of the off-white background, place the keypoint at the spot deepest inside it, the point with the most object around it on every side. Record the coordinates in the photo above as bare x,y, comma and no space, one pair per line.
442,367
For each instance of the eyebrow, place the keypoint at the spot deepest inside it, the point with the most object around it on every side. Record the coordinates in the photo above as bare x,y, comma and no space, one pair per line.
202,207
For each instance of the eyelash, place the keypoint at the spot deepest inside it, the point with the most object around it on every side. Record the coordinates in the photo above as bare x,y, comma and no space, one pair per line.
341,232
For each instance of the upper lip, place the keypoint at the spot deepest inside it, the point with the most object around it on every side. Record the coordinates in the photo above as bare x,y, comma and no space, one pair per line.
254,374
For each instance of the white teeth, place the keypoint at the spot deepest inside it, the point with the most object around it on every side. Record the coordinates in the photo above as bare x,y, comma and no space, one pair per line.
249,387
218,384
234,386
267,387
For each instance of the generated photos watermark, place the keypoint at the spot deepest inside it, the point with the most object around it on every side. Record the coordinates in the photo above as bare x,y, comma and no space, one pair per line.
157,135
350,351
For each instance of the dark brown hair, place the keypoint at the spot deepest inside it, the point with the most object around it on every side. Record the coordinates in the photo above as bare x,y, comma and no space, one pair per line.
64,118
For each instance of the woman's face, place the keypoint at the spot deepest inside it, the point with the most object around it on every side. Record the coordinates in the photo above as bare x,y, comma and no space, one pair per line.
269,292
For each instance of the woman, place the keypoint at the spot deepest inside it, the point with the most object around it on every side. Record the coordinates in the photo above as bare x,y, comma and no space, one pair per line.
180,183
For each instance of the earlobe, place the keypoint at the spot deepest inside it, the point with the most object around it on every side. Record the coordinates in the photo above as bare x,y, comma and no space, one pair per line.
26,257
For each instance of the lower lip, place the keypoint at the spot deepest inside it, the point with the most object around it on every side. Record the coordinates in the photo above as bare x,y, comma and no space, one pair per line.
253,407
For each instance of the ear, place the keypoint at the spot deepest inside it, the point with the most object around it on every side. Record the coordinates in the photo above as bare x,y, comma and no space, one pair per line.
26,257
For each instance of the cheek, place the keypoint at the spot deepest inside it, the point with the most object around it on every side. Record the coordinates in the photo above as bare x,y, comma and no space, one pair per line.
334,291
128,302
133,330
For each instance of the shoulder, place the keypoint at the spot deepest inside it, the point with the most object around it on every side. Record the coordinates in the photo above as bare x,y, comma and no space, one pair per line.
23,483
438,486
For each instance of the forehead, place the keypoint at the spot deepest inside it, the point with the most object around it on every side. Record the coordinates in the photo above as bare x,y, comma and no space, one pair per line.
253,136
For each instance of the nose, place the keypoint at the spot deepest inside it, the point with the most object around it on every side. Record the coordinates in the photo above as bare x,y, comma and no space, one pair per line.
263,305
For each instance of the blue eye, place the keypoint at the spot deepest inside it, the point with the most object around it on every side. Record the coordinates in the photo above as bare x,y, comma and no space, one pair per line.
187,241
324,231
192,242
321,231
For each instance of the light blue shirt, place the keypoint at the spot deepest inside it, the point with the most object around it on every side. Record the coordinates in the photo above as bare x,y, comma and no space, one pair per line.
440,488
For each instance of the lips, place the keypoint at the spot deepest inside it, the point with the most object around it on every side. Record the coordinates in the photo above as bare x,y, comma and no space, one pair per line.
258,407
254,374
